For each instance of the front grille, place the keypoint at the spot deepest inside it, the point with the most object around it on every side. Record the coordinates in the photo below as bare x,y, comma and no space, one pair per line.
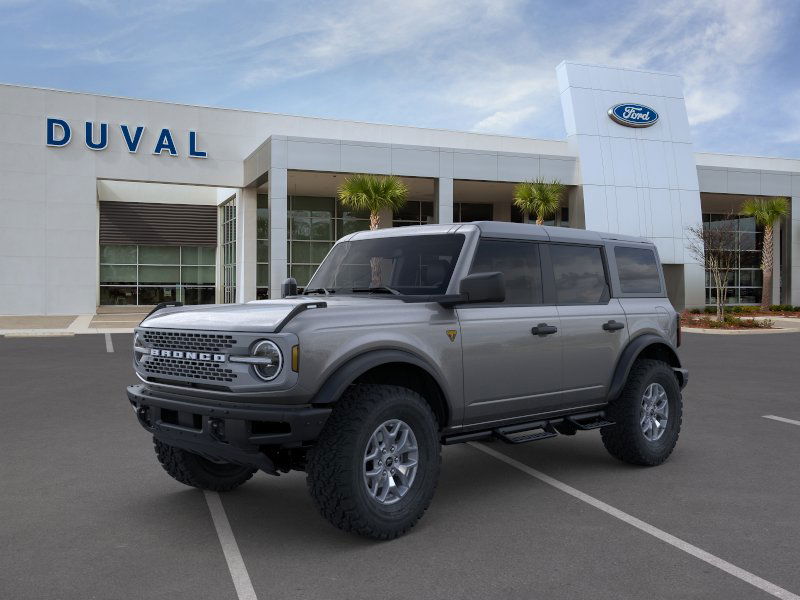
193,342
194,369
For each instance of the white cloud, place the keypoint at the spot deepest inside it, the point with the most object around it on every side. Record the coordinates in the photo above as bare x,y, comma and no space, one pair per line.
504,121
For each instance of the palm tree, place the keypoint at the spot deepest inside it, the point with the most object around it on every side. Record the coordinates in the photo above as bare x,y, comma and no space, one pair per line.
766,211
373,193
539,197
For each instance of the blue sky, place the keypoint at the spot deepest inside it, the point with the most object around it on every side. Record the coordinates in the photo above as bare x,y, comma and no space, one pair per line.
456,64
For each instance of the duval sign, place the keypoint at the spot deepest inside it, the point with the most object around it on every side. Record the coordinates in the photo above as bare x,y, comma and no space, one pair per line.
59,134
633,115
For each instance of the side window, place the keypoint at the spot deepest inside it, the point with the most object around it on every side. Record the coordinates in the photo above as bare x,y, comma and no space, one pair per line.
638,271
579,274
519,264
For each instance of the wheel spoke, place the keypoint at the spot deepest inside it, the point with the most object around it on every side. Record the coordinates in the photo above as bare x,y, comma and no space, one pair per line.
394,445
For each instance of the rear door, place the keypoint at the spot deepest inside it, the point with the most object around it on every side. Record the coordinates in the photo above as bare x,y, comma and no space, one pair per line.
510,368
594,327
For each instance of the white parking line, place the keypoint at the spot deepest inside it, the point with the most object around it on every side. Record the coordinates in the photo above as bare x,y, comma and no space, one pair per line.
678,543
109,343
241,580
782,419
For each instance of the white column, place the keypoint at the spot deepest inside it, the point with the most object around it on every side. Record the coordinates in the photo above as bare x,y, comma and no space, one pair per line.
776,264
794,252
245,244
443,193
278,234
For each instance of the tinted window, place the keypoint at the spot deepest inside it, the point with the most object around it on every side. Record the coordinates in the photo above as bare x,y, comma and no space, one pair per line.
638,271
519,264
411,264
579,274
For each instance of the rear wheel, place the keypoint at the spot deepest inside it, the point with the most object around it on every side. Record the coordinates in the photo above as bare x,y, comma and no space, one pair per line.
647,415
194,470
375,466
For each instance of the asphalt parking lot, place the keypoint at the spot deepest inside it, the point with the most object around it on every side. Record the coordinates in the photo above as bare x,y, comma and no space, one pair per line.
88,512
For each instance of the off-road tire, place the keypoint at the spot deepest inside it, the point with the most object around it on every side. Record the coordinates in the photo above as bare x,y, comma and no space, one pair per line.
335,464
625,440
194,470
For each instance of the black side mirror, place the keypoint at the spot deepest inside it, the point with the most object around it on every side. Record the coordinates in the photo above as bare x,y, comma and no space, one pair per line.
483,287
289,287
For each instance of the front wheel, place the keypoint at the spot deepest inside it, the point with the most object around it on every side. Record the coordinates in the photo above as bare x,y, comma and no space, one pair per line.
194,470
647,415
375,466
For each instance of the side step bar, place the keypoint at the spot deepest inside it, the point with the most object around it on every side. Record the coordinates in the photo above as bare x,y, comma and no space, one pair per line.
531,431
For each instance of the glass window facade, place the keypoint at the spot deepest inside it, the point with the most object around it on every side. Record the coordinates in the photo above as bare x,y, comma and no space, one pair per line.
228,248
464,212
745,280
315,223
152,274
561,219
262,248
414,212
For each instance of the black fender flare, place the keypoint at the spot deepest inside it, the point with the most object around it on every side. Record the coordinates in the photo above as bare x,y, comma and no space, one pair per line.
632,351
348,372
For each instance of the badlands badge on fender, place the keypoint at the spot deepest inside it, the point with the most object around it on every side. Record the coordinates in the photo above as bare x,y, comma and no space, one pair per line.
452,333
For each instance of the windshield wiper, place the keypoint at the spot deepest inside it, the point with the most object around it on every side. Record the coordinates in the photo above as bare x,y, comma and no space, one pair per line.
321,290
378,289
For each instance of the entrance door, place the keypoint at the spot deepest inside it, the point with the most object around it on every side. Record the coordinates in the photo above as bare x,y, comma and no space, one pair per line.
511,350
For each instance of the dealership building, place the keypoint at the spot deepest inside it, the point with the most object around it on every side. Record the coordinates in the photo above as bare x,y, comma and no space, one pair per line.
113,201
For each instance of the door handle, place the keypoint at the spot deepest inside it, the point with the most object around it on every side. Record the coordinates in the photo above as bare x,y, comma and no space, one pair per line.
612,325
544,329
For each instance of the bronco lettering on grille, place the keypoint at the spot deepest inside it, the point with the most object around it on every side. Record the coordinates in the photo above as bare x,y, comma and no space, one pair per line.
186,355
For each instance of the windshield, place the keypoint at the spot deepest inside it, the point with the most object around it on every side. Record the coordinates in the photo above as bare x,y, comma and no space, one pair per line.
409,265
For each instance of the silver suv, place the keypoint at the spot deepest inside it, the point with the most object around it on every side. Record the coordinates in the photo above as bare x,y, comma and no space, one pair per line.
406,339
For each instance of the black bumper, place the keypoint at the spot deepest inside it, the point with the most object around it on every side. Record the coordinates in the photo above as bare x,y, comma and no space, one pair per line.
682,375
224,431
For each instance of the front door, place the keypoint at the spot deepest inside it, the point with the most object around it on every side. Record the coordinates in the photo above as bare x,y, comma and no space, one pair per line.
511,350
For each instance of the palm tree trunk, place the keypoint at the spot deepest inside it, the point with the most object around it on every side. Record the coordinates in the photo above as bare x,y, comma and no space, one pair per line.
766,267
539,220
375,261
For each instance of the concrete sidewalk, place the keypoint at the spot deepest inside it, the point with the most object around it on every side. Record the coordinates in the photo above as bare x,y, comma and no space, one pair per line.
66,325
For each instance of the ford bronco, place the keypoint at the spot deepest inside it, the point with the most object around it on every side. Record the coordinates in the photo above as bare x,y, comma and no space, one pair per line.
406,339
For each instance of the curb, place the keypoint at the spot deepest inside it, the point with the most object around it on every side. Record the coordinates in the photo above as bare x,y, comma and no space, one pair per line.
736,331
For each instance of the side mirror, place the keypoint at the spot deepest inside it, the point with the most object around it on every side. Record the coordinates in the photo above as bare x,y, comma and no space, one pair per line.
289,287
483,287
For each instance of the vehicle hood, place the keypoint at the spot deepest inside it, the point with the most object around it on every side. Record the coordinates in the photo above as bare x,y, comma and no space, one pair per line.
262,316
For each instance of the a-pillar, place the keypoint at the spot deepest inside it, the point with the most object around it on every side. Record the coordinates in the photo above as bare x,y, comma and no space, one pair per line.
278,260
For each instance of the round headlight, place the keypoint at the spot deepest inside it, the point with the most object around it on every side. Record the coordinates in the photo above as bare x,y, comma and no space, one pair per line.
268,368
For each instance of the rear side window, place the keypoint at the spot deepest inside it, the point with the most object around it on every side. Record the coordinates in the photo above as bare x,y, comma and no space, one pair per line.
638,270
579,274
519,264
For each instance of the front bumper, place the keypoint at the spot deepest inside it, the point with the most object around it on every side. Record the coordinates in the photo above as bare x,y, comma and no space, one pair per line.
236,433
682,375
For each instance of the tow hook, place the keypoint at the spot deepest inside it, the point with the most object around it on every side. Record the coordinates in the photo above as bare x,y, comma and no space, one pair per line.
217,429
143,414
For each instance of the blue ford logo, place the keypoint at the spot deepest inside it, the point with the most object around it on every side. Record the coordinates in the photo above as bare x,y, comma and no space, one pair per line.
633,115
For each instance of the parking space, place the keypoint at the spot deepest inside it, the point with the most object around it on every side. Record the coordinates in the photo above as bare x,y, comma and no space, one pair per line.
88,512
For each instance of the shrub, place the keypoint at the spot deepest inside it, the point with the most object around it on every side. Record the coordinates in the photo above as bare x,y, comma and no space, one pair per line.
695,311
783,308
710,310
748,323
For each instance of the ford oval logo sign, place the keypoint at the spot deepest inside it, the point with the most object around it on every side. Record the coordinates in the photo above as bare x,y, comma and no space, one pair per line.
633,115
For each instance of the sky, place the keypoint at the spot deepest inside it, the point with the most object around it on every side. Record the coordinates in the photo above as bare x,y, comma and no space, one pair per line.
472,65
